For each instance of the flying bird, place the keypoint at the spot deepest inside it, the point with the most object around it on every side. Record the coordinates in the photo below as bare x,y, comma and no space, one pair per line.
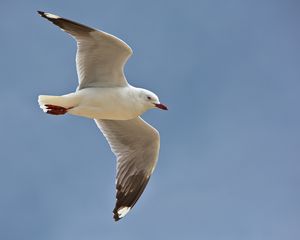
103,94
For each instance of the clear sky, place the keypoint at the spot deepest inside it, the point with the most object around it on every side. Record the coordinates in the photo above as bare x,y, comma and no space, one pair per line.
229,167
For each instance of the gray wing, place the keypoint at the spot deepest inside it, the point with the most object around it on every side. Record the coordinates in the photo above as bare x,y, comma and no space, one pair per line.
100,57
136,146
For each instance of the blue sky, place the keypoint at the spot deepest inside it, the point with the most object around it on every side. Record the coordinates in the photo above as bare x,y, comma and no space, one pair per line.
229,161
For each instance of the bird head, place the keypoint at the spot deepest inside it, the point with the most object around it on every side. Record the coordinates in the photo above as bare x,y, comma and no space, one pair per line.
151,100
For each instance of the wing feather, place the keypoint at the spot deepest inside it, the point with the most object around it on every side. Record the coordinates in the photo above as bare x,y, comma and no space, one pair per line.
100,57
136,146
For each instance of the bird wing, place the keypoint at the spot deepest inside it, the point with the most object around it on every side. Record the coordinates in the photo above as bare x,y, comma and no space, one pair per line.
135,144
100,57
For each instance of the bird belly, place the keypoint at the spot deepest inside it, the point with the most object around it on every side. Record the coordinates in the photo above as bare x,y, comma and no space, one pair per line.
98,104
101,113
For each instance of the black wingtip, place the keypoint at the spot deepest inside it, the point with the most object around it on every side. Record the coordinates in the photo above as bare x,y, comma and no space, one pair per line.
116,217
41,13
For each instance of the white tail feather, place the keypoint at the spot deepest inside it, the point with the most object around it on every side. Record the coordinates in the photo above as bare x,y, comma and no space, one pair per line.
61,101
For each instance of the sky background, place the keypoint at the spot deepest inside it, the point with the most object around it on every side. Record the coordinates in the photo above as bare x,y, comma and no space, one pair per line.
229,167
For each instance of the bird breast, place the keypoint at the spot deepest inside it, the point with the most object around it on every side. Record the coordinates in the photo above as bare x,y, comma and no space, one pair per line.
106,103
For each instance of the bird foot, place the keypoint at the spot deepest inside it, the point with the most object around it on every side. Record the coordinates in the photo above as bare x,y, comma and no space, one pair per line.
55,110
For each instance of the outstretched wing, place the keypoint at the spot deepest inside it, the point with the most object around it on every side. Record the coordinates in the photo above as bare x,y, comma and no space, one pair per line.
100,57
136,146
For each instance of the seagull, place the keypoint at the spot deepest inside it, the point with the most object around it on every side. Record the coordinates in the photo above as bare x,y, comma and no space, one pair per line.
103,94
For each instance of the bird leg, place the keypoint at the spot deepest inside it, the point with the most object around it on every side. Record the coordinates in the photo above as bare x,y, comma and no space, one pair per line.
56,110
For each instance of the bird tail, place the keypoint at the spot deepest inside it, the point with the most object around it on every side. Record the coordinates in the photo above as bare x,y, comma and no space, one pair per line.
56,105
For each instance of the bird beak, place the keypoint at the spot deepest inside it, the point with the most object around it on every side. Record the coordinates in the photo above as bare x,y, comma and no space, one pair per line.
161,106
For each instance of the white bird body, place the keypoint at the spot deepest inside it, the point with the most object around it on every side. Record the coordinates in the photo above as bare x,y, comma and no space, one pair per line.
103,94
117,103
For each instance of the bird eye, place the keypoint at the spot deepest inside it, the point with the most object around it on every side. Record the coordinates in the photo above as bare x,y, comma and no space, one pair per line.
149,98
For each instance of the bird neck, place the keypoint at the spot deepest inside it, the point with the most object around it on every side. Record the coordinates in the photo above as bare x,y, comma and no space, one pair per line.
137,99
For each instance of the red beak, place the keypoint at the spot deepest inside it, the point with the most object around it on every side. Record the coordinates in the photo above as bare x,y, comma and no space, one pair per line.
161,106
